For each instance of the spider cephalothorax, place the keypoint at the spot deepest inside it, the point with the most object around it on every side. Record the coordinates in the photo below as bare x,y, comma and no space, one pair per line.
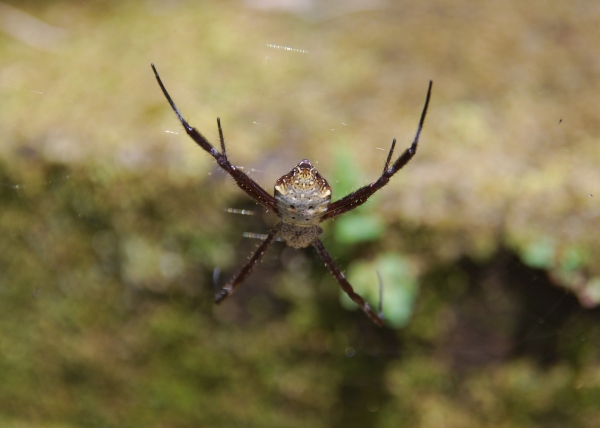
302,200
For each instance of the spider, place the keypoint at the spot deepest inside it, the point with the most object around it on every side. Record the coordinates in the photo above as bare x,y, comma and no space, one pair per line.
302,200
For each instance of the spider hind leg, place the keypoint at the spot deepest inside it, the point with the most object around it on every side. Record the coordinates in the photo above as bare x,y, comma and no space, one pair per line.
377,318
257,256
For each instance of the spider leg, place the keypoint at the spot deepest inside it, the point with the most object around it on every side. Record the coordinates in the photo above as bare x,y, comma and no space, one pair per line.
221,138
244,182
341,279
236,281
380,307
361,195
389,158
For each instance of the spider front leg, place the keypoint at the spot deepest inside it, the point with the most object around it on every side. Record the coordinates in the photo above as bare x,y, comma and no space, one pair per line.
247,268
243,181
341,279
360,196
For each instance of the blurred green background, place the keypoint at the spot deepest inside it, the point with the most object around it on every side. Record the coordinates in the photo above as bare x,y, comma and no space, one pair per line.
112,220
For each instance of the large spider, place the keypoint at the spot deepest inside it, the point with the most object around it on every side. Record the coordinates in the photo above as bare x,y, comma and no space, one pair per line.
302,200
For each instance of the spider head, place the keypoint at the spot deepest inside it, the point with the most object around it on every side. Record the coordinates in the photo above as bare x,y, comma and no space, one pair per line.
302,195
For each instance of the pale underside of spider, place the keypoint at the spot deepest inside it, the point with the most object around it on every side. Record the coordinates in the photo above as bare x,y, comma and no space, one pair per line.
302,200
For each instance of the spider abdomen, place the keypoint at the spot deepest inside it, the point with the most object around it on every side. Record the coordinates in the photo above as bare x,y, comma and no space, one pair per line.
302,195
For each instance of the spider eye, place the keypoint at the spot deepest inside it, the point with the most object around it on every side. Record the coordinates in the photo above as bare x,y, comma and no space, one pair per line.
292,207
311,207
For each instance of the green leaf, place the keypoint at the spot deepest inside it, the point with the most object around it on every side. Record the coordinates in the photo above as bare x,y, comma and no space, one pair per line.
400,286
353,228
540,254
